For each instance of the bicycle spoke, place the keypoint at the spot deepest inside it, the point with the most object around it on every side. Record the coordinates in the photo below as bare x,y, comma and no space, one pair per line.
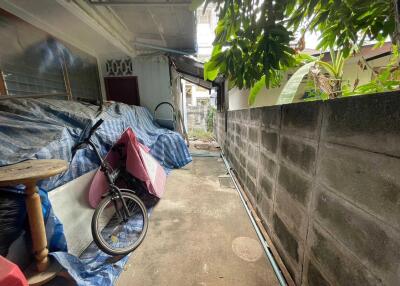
116,232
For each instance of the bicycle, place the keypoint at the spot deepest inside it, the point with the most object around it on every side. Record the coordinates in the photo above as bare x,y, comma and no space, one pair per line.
120,221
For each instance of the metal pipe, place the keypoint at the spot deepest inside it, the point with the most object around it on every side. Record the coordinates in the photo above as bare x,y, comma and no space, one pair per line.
161,48
271,259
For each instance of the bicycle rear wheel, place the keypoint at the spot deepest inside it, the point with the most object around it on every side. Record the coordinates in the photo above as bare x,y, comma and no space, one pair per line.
111,232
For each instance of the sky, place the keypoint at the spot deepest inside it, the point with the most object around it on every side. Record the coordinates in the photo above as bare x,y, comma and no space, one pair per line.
311,40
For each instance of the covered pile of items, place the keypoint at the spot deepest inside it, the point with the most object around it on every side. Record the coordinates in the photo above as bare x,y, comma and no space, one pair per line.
48,129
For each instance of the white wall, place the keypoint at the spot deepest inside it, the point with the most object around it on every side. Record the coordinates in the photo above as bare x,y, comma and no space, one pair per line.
154,82
153,79
268,97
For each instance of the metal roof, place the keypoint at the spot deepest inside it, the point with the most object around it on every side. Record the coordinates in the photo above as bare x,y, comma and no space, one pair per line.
156,24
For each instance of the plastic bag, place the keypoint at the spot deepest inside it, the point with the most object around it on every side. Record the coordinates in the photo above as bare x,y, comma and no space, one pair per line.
12,218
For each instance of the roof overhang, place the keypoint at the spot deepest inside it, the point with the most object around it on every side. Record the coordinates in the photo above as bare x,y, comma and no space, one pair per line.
193,70
155,24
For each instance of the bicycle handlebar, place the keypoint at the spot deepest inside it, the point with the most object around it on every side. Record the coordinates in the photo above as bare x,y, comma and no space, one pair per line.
95,126
82,143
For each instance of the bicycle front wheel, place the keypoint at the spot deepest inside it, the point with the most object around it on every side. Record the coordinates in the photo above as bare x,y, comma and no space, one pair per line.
114,231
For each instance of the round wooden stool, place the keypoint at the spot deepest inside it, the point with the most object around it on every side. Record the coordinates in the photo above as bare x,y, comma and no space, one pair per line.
28,173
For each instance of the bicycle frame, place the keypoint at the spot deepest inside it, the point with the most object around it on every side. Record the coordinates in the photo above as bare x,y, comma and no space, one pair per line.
113,189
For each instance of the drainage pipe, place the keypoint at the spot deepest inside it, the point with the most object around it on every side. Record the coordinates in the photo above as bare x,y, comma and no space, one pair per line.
271,259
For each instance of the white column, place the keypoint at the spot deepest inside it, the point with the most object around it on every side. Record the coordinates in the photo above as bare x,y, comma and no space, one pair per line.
184,103
194,95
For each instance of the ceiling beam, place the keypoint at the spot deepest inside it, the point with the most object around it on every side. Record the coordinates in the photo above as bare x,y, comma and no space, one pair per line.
158,48
39,23
140,3
98,23
159,27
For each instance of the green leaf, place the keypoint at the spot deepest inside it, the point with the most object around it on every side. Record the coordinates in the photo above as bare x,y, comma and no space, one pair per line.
211,71
253,38
216,50
290,89
304,58
256,89
328,67
335,68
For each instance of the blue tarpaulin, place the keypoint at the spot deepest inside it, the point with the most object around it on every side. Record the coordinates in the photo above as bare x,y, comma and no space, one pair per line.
49,128
94,267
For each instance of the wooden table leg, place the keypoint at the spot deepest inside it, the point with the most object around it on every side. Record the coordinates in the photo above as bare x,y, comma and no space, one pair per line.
37,227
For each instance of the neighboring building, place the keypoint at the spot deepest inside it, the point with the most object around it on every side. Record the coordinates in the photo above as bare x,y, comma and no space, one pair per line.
197,95
376,58
198,101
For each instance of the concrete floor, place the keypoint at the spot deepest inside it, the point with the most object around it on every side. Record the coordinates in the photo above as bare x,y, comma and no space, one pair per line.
199,234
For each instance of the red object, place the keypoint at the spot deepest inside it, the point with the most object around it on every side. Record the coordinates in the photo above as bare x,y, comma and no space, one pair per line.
10,274
139,163
123,89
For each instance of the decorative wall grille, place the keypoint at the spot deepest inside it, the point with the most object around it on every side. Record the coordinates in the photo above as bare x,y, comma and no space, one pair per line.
119,67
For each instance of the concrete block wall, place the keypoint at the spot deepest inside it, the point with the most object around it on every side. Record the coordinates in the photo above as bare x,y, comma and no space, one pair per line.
325,179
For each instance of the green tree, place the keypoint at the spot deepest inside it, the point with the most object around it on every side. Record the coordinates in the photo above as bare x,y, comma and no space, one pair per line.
255,41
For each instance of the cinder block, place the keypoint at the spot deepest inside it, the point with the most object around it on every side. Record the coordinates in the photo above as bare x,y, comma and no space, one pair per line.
295,216
314,277
244,132
337,262
231,126
238,141
234,162
371,181
376,245
244,116
294,268
270,117
286,239
232,138
243,158
369,122
250,186
254,134
235,149
267,166
299,153
252,153
265,209
251,169
255,116
241,172
269,140
296,185
238,128
302,119
229,138
228,145
232,115
266,186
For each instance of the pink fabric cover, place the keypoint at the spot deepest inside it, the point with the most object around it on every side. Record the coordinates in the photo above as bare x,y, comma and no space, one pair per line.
10,274
139,163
